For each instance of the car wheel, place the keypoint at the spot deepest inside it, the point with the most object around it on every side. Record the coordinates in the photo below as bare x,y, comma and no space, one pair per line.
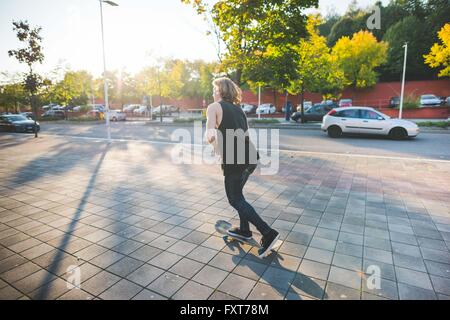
334,132
114,119
398,133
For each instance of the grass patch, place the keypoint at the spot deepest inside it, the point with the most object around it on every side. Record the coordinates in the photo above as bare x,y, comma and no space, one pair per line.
186,120
50,118
271,120
437,124
83,118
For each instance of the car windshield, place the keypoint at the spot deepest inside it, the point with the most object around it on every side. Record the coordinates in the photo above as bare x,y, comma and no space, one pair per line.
383,115
17,118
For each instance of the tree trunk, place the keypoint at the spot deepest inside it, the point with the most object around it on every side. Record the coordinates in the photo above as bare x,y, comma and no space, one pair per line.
275,96
302,103
238,77
33,107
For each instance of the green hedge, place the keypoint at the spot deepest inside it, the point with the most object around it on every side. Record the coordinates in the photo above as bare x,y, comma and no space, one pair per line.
84,118
438,124
50,118
186,120
270,120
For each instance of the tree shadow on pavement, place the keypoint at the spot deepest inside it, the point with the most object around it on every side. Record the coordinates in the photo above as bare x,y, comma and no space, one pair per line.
43,291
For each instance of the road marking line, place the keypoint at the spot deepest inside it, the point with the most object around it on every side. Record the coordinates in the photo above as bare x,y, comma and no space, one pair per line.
356,155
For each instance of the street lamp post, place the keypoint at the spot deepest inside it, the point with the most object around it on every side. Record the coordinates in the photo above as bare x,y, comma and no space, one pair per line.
259,101
403,81
105,85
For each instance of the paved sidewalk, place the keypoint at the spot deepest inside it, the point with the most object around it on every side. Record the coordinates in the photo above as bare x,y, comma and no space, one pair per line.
140,227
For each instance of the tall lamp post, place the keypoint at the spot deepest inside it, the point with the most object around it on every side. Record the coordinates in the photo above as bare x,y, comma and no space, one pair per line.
105,85
403,81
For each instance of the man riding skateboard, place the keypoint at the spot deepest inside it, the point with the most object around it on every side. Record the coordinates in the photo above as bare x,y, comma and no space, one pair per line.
227,130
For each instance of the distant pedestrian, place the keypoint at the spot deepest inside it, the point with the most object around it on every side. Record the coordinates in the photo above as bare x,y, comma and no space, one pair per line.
288,110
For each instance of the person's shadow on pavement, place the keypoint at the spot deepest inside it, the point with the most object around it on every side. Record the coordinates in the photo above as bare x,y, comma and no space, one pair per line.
287,283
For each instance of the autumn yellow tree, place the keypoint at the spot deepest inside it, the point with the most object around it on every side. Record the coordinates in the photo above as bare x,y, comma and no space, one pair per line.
439,55
358,57
316,70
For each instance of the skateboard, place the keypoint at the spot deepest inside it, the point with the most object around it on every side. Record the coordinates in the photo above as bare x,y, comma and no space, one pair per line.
223,226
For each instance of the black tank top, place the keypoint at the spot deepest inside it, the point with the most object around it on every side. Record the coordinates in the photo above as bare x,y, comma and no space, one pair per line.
234,132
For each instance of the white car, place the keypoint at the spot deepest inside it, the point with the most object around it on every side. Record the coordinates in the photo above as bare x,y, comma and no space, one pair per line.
429,100
131,107
306,105
266,108
141,110
365,120
117,115
248,108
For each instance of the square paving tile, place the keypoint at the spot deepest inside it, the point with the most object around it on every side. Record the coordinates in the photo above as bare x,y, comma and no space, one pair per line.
167,284
122,290
145,275
193,291
186,268
237,286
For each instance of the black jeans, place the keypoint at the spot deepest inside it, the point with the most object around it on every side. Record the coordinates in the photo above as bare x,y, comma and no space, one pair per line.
234,184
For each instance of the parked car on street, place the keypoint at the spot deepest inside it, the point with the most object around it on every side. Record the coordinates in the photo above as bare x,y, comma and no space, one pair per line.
29,115
117,115
266,108
394,102
365,120
314,113
97,107
141,110
248,108
306,105
345,103
447,101
130,107
49,106
17,123
429,100
54,114
166,109
95,114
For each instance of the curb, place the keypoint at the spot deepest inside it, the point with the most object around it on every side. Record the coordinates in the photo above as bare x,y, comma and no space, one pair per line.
256,126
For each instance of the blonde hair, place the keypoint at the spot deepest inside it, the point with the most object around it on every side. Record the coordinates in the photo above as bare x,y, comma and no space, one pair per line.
228,90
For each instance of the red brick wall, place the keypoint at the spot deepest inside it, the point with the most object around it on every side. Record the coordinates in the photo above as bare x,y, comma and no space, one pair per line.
378,96
419,113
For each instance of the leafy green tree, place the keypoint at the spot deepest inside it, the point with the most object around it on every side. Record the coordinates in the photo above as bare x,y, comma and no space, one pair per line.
403,31
317,70
248,26
13,96
30,55
74,89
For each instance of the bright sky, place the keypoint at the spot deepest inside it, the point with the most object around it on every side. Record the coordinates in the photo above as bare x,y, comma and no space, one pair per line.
134,31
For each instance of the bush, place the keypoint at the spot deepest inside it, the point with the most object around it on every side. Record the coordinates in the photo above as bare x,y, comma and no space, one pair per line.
186,120
49,118
84,118
84,109
439,124
271,120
